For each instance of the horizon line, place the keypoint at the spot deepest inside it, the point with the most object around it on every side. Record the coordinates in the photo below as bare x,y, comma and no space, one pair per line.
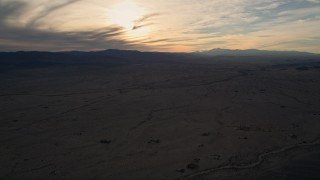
202,51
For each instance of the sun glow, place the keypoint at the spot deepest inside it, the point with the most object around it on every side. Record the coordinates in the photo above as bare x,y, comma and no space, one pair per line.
125,14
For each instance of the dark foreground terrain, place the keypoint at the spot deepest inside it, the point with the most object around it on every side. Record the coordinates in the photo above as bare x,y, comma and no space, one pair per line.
177,117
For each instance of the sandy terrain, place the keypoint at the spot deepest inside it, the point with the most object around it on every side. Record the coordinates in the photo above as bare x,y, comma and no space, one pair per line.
204,119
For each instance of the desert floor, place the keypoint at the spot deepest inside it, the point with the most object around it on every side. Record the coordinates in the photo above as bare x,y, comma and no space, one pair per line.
193,119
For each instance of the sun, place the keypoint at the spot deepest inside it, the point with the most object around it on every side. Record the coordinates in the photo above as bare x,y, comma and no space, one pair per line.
125,14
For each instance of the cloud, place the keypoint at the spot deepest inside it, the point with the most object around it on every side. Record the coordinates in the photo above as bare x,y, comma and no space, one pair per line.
18,38
269,6
156,41
314,1
48,10
192,25
144,21
13,37
11,9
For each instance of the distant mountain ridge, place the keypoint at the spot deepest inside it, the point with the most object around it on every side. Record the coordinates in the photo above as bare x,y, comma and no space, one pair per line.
115,57
252,52
135,53
104,58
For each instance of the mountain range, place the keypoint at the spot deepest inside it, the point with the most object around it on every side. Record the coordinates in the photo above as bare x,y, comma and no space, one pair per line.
252,52
112,57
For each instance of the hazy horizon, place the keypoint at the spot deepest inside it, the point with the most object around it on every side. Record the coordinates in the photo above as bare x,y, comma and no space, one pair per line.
166,26
154,51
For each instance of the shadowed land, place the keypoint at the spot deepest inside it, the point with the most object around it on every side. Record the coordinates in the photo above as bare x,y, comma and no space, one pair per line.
133,115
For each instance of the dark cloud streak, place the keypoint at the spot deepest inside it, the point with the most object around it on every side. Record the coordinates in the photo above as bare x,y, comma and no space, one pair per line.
144,21
47,11
12,9
56,41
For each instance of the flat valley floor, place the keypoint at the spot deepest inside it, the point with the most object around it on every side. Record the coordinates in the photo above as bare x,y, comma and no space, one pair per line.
227,118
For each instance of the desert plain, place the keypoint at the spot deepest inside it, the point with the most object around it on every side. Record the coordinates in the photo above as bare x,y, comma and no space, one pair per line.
199,118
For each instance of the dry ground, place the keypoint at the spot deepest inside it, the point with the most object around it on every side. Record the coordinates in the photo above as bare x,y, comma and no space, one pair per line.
194,119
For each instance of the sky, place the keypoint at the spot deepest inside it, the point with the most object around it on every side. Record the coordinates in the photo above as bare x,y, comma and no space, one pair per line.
159,25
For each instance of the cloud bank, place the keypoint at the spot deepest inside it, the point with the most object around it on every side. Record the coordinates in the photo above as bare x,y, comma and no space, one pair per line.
175,25
31,36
